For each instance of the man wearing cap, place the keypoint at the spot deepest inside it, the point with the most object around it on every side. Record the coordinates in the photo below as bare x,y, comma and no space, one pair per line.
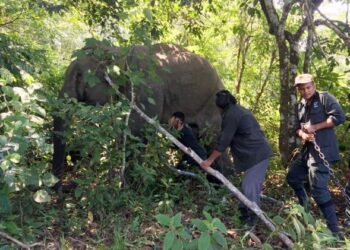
316,116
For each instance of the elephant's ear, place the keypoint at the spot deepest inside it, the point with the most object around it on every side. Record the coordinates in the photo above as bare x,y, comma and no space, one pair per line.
74,83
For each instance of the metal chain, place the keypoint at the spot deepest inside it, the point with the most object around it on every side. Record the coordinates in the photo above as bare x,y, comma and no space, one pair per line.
332,173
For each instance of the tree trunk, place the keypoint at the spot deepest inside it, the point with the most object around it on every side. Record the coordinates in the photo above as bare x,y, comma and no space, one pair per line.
284,108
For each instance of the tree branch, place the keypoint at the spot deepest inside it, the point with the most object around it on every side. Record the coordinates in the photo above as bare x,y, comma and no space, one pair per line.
257,99
271,15
286,9
13,20
19,243
341,35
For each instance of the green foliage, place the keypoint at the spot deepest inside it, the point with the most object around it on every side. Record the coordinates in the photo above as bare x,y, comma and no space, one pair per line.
23,140
306,232
211,233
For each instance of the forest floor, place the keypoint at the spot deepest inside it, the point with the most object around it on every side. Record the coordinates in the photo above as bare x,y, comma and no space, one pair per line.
134,226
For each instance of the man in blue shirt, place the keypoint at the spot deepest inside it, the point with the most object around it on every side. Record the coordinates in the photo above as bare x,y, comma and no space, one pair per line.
187,138
250,149
317,115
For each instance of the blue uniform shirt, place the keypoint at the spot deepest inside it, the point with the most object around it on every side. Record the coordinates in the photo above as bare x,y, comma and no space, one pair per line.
321,106
241,131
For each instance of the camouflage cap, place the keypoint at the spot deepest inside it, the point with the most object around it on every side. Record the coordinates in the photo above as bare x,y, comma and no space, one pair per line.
303,79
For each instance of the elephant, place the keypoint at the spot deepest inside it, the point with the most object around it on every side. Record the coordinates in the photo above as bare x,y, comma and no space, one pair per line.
179,81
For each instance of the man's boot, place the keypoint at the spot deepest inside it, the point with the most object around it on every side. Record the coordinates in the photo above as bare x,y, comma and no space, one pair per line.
328,210
302,198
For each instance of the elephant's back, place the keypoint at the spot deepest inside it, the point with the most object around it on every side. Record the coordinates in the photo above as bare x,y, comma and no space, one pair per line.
190,82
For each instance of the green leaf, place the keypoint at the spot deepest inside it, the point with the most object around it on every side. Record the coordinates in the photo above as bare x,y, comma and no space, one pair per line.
148,14
219,238
78,192
267,246
11,227
178,245
49,179
91,78
192,245
218,224
15,158
199,224
185,235
204,241
278,220
162,219
8,91
31,177
168,240
3,140
176,220
207,216
41,196
22,93
151,100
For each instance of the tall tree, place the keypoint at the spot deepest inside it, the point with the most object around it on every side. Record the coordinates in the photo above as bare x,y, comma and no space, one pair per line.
288,38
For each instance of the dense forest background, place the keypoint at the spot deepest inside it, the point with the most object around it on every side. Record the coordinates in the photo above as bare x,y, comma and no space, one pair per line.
257,48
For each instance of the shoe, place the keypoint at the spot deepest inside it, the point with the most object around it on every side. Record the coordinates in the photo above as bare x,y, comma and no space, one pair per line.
248,218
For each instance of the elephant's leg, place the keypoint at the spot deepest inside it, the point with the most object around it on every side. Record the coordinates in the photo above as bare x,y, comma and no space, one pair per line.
59,147
152,110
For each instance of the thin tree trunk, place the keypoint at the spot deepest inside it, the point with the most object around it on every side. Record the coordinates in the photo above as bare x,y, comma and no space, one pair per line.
284,108
244,46
266,80
310,37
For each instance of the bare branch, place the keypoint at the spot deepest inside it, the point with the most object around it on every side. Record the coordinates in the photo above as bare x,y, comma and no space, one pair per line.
19,16
341,35
331,24
19,243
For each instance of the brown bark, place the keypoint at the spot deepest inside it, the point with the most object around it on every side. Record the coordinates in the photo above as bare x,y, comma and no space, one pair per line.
287,44
266,80
241,60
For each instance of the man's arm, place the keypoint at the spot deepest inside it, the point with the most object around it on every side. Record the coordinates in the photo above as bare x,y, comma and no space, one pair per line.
334,112
305,136
311,129
207,163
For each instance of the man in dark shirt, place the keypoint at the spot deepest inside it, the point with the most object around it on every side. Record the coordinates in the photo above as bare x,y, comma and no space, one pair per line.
187,138
250,149
317,115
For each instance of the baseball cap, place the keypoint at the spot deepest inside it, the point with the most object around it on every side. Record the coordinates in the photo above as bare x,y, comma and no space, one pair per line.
303,79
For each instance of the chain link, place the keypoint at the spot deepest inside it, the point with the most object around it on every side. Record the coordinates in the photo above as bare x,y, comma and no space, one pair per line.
332,173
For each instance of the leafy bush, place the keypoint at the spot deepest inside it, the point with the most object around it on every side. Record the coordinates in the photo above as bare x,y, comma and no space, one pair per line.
206,234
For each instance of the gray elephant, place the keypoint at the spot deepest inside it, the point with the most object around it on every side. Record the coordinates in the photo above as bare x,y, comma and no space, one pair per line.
179,81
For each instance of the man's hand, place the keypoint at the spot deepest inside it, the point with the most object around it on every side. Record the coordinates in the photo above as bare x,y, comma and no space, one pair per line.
307,136
310,129
206,164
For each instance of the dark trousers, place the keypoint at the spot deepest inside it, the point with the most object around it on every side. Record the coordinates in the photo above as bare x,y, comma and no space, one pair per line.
318,174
